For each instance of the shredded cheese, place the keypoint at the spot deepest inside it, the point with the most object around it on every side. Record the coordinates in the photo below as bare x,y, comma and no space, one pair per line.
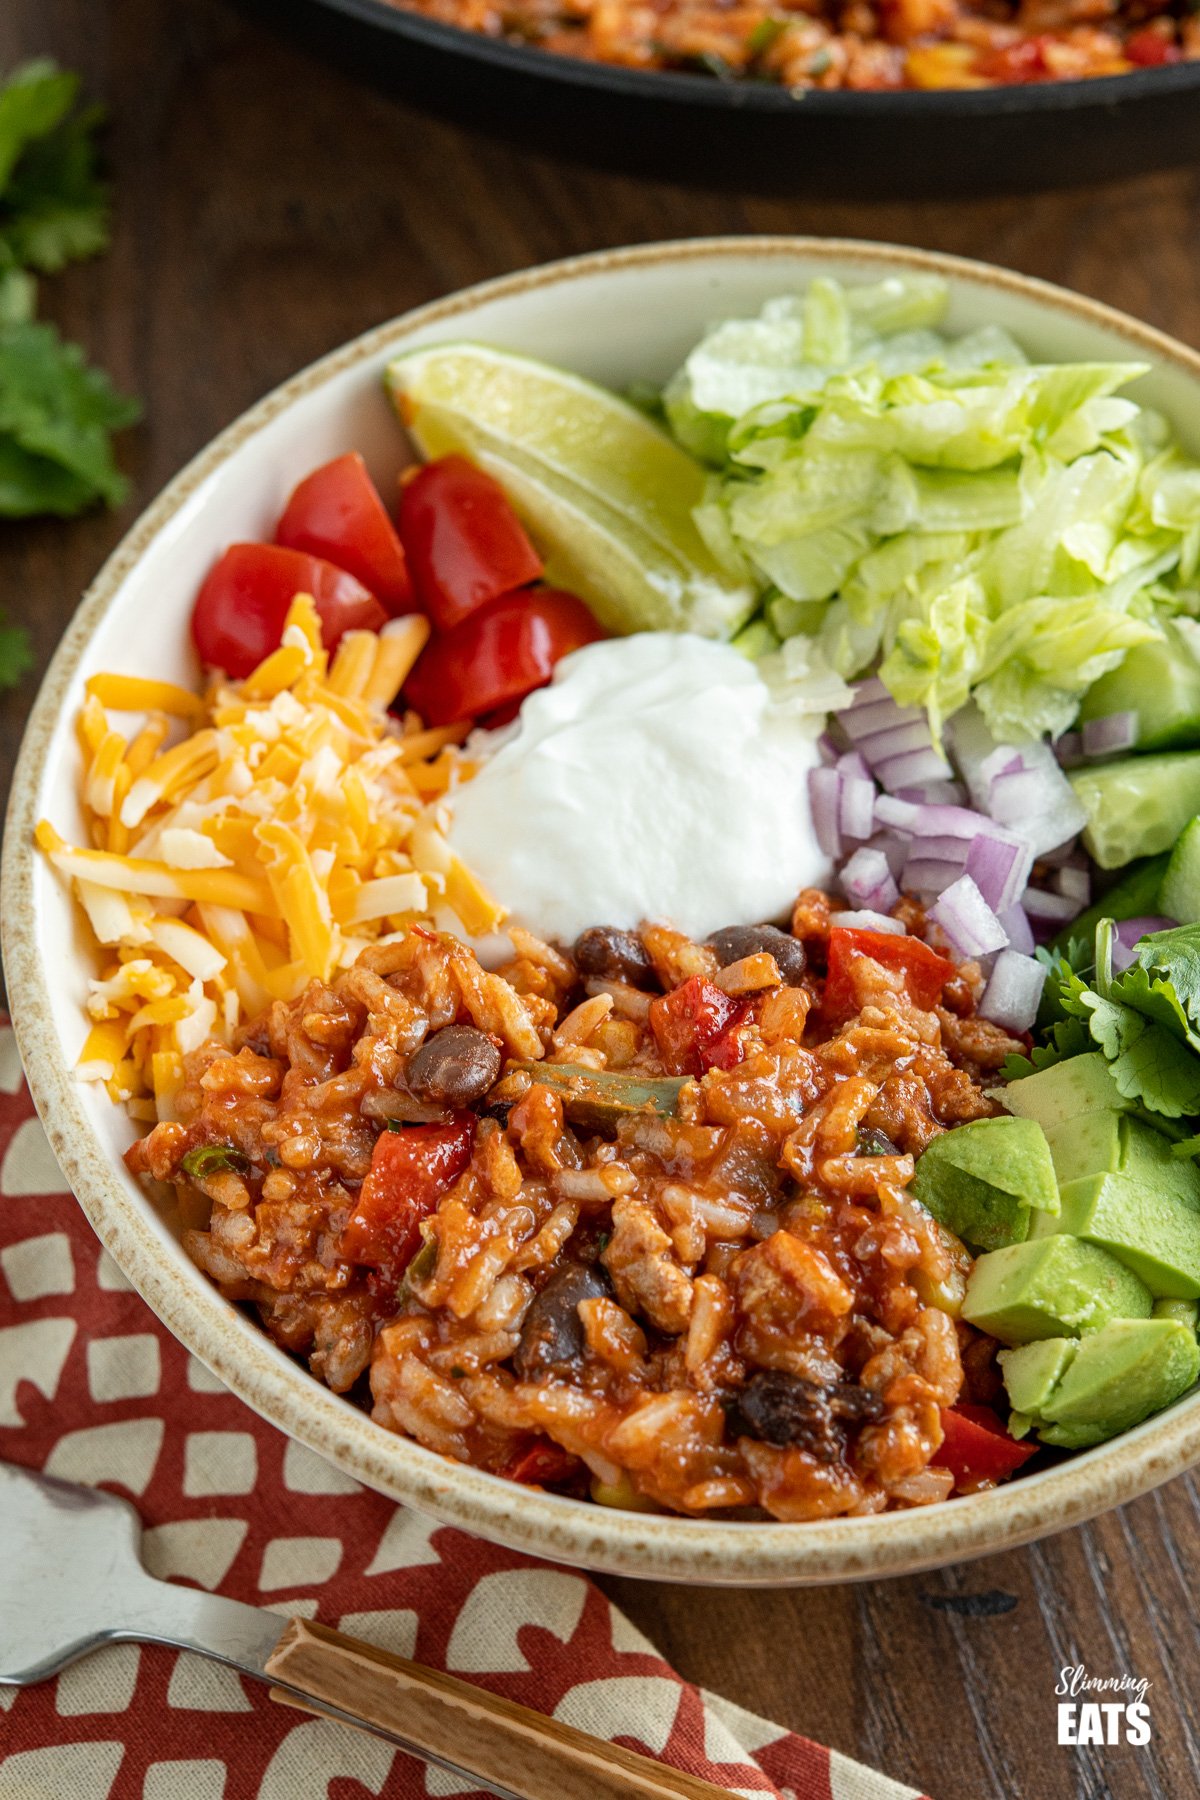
290,825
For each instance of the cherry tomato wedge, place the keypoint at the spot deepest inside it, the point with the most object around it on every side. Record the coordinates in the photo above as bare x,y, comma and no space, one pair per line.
499,654
694,1027
976,1447
336,513
240,611
465,544
410,1171
925,972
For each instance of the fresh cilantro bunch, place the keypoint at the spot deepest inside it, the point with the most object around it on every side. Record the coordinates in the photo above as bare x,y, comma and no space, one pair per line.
57,415
1145,1020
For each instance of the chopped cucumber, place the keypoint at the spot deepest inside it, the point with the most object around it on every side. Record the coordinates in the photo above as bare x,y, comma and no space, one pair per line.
1134,896
1137,807
1179,896
1160,682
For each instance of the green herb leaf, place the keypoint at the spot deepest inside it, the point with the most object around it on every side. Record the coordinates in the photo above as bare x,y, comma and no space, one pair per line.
56,420
211,1159
53,205
1175,955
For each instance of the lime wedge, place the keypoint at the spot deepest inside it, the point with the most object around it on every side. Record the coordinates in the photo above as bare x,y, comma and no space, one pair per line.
607,497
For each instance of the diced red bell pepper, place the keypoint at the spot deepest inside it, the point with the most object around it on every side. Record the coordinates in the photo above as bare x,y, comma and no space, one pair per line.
543,1464
498,655
410,1171
977,1448
1015,65
239,614
694,1027
465,543
1150,49
925,972
336,512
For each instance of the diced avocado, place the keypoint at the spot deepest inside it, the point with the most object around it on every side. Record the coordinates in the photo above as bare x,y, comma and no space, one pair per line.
1150,1229
1051,1287
1081,1084
1179,895
1137,806
982,1180
1103,1143
1118,1377
1184,1312
1134,895
1032,1372
1159,681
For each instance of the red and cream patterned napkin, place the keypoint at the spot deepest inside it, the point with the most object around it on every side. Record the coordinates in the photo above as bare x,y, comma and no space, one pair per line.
93,1389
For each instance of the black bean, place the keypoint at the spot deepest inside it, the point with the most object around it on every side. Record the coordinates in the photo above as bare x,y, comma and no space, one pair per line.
789,1409
454,1067
553,1331
733,942
611,955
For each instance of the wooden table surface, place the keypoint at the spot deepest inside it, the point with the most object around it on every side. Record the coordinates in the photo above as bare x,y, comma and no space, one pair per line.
266,210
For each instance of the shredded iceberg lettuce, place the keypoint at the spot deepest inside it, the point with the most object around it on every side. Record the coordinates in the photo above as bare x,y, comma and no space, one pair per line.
939,507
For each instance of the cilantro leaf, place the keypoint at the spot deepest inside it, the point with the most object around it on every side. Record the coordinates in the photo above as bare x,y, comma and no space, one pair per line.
56,416
34,100
1150,1062
1175,955
53,204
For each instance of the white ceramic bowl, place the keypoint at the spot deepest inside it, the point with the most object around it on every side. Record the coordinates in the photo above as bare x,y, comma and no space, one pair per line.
617,317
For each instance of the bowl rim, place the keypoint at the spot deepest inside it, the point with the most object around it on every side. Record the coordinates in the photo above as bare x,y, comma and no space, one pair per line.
579,1533
679,87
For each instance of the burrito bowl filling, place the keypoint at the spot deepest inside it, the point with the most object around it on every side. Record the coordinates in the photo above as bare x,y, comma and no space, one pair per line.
669,970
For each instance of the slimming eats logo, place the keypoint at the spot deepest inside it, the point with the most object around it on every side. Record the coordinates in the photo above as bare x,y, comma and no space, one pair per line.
1122,1719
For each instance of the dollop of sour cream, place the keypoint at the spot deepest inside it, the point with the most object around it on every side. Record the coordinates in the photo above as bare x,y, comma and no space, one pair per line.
654,778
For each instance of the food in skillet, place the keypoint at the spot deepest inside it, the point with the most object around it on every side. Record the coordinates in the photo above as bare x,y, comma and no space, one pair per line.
865,45
759,1148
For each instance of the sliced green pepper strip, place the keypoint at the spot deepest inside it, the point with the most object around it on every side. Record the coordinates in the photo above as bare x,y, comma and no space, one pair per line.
210,1159
598,1099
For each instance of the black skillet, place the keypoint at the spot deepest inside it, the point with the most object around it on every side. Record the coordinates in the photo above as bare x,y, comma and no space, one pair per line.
751,135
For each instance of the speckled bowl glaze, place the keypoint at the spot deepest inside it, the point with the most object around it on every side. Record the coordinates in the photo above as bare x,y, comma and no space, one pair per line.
617,316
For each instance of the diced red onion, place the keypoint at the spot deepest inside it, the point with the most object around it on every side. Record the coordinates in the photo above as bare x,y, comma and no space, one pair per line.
999,868
967,920
1013,991
824,795
1066,853
935,793
828,747
1075,883
1053,909
1069,749
895,849
1020,932
1039,804
1003,760
856,807
1129,934
872,717
850,762
897,815
910,768
1115,731
930,876
896,740
867,880
866,921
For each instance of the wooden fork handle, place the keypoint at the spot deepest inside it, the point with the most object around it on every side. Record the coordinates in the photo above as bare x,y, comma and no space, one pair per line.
495,1739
